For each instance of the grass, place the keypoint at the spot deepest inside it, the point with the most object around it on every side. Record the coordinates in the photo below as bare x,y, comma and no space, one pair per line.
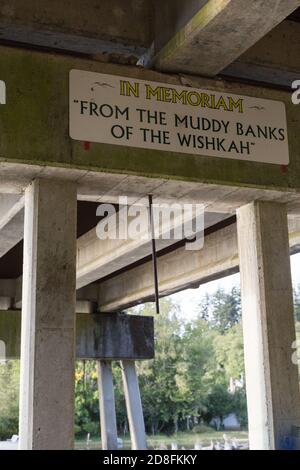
183,439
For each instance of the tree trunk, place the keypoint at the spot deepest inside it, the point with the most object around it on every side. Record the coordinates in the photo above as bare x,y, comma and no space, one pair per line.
188,424
176,425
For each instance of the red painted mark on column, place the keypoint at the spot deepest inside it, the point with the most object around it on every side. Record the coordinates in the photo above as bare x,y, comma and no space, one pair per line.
87,145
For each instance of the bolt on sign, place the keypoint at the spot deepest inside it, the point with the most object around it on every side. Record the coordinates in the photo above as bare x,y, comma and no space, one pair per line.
116,110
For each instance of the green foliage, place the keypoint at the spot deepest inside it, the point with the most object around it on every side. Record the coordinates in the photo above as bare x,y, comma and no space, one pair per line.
222,310
229,350
9,399
162,390
296,291
240,406
219,402
201,429
86,399
298,330
189,377
182,388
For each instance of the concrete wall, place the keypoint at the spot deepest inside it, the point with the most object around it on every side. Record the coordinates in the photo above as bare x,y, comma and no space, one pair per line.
171,16
35,123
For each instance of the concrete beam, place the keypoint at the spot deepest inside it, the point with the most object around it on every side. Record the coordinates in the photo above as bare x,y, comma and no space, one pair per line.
38,96
11,221
180,269
273,60
98,258
86,27
217,34
7,293
171,16
97,336
8,288
86,298
177,270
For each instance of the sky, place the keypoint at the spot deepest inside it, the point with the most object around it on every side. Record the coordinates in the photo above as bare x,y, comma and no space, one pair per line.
189,299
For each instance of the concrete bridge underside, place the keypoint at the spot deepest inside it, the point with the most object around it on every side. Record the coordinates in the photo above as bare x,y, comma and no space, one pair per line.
52,264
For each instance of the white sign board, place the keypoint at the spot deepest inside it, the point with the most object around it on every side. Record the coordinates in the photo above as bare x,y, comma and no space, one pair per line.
117,110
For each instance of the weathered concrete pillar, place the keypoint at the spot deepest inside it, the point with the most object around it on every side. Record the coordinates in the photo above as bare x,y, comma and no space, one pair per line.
109,435
48,316
134,406
269,330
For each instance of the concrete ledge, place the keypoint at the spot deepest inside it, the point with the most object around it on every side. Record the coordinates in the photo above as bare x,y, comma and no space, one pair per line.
114,336
11,221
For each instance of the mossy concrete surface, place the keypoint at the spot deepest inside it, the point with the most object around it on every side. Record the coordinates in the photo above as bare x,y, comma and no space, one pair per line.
97,336
34,126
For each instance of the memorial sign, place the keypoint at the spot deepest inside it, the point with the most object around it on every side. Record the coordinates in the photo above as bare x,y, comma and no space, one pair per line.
116,110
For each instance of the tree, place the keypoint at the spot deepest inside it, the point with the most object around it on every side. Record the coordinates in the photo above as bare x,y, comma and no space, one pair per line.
240,406
296,292
163,398
191,360
9,398
222,310
229,350
200,366
219,402
174,385
86,399
205,307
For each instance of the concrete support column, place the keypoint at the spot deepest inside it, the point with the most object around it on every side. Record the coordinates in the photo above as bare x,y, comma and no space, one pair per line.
134,406
109,435
269,330
48,316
